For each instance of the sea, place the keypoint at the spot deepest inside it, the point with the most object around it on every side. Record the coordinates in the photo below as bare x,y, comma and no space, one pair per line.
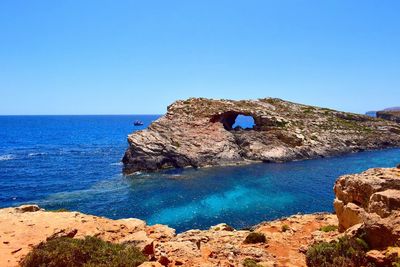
74,163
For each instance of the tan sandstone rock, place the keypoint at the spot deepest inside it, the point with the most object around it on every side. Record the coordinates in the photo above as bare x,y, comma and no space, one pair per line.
369,204
150,264
218,246
384,202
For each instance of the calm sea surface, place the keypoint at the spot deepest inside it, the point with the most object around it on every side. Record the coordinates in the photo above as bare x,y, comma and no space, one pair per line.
73,162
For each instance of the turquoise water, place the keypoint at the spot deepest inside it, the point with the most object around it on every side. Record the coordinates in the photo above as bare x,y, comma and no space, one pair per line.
73,162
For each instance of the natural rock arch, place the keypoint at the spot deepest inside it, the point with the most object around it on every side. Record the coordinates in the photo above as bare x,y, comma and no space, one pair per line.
198,132
228,119
244,122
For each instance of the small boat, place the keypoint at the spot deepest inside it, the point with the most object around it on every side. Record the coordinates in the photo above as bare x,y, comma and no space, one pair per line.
138,123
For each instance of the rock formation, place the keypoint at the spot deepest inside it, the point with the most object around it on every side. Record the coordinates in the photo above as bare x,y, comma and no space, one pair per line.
393,115
198,132
25,227
369,204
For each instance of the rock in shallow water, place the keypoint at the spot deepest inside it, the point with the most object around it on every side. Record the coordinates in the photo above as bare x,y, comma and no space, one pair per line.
198,132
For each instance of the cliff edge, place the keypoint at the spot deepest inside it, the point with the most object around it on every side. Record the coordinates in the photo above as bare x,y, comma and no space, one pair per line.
391,115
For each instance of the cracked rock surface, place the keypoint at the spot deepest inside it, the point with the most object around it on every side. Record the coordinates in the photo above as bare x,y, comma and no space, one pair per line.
369,203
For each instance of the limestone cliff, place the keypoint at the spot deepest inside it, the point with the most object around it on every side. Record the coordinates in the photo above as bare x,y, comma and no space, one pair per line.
198,132
391,115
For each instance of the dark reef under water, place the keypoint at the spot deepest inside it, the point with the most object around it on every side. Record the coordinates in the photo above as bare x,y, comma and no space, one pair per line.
73,162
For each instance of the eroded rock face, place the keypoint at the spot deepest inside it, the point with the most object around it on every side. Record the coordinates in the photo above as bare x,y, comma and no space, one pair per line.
389,115
198,132
370,203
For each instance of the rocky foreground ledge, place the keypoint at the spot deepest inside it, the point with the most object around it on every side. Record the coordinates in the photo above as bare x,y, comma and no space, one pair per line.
27,226
367,206
369,203
199,132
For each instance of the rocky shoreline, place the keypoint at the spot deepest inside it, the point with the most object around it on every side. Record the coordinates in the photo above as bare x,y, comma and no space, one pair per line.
199,132
367,203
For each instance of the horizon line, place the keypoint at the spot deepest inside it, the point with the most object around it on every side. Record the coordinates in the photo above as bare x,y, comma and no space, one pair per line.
15,115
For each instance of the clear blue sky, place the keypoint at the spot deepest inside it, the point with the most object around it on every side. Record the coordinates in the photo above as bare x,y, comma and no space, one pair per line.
124,57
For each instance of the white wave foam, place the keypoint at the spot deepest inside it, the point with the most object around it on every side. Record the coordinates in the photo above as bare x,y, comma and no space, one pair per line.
36,154
116,164
7,157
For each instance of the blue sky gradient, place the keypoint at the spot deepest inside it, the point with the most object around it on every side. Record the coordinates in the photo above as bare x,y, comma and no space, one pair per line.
125,57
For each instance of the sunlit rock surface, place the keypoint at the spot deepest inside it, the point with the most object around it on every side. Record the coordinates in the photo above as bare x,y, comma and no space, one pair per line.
221,245
198,132
369,203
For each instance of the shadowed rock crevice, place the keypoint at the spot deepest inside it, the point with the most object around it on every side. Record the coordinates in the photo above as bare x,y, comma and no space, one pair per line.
200,132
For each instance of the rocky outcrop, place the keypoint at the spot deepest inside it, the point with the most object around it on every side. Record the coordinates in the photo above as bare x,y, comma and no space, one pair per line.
21,229
369,203
199,132
389,115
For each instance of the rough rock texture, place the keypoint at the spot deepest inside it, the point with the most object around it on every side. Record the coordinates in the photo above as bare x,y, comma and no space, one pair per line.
389,115
221,245
369,203
198,132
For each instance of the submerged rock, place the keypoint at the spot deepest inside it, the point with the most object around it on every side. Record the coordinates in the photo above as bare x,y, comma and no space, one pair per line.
199,132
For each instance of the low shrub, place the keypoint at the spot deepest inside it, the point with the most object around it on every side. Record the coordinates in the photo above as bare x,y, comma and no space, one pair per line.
346,251
254,238
88,252
250,263
285,228
328,228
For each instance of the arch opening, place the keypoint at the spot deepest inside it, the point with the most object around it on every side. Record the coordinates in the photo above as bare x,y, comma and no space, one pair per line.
233,121
243,122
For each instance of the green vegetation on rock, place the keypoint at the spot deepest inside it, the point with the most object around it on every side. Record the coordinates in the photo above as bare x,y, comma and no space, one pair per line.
88,252
285,228
344,252
254,238
308,110
328,228
396,263
250,263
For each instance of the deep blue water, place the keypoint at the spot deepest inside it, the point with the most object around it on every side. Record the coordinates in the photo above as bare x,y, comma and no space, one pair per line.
72,162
